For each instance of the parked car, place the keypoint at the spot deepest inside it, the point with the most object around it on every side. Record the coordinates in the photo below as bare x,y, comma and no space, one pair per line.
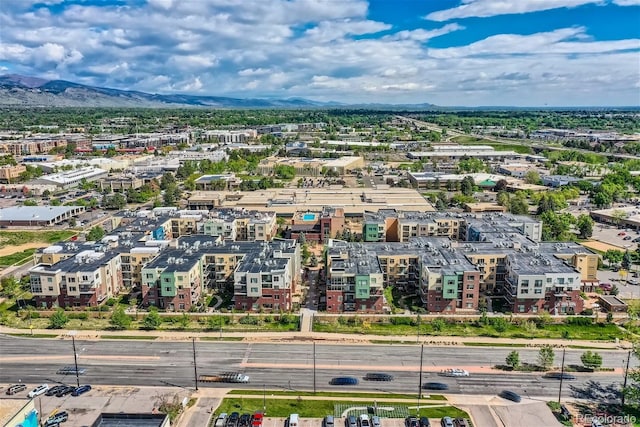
435,386
41,389
17,388
424,422
244,420
622,233
626,238
510,395
67,390
56,419
343,381
411,421
446,422
363,421
560,376
606,286
55,390
350,421
378,376
221,421
71,370
375,421
633,281
232,421
81,390
328,421
257,419
461,422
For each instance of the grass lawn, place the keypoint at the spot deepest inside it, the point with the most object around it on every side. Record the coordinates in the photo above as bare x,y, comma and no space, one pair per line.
498,146
16,238
318,408
128,337
23,256
598,332
336,394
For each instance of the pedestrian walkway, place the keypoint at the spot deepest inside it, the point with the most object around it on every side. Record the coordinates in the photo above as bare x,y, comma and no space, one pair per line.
306,320
306,336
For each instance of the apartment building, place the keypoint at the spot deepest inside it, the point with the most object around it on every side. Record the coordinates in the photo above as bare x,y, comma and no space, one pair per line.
317,226
536,282
173,280
84,280
355,280
241,225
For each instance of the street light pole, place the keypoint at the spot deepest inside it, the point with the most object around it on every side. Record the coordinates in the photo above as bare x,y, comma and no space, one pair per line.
420,377
195,365
626,373
561,376
75,356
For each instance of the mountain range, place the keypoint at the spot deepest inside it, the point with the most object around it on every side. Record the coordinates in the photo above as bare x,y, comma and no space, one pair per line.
27,91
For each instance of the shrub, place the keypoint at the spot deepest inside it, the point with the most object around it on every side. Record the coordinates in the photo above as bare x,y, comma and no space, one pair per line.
78,316
438,325
249,320
403,321
579,321
58,319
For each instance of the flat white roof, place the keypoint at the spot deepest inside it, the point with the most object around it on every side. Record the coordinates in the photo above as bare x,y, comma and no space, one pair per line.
39,213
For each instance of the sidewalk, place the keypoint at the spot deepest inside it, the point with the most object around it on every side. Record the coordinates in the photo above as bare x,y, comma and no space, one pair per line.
322,337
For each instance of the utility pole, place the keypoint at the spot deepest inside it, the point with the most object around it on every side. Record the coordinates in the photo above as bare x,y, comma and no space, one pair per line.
561,376
626,373
195,365
314,367
420,377
75,356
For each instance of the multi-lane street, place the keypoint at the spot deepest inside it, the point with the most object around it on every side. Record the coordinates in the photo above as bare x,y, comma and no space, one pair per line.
287,365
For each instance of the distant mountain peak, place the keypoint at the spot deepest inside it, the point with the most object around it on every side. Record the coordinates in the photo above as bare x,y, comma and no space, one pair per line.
26,81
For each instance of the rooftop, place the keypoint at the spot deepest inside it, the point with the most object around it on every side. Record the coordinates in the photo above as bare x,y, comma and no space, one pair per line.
35,213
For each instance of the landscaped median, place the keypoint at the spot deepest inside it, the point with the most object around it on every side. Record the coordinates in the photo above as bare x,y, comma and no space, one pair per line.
280,403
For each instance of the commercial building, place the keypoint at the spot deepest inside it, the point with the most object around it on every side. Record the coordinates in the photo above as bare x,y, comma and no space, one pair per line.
318,226
624,217
285,201
73,178
9,173
37,216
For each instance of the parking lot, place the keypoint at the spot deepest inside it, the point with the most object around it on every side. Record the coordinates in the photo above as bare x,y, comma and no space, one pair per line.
84,410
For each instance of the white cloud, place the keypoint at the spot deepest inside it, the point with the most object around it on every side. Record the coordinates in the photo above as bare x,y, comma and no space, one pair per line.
627,2
325,50
486,8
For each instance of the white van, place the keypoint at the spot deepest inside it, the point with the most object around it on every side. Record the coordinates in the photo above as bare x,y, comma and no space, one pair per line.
293,420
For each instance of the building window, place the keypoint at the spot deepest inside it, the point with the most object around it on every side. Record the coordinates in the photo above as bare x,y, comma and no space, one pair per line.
538,283
469,295
537,291
525,283
561,280
168,289
72,288
470,287
534,309
50,288
180,277
525,291
570,279
549,279
181,306
49,279
254,290
181,296
521,308
470,277
253,280
276,296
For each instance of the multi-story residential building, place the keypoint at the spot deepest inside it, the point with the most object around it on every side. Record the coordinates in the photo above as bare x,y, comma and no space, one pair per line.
241,225
536,282
355,280
318,226
85,280
173,280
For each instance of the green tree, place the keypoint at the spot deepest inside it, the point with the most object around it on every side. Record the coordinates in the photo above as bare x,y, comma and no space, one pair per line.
545,357
467,186
95,234
591,359
513,359
9,286
585,226
30,202
532,177
119,319
152,320
58,319
519,206
613,256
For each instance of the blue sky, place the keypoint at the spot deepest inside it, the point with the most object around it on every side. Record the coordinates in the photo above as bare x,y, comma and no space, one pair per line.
445,52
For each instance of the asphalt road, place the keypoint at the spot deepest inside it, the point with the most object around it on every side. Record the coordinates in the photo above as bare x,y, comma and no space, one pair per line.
283,365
